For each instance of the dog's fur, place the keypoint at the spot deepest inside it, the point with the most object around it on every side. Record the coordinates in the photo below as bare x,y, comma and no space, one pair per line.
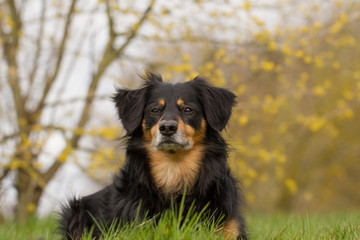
173,146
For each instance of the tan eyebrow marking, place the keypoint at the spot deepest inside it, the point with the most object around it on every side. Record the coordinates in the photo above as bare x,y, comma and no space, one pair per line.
180,102
161,102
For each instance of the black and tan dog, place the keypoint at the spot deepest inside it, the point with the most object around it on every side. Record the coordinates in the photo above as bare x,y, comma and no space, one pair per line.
173,143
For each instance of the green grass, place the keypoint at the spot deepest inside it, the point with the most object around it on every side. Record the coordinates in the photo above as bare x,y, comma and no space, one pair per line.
33,229
261,226
318,226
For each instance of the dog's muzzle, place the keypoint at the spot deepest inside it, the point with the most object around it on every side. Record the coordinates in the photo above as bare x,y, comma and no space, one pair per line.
169,139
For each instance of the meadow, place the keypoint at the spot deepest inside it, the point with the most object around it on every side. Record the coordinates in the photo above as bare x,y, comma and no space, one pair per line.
344,225
294,66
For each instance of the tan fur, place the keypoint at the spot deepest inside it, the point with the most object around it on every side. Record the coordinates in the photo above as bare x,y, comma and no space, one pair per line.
180,102
172,172
231,229
199,134
161,102
149,134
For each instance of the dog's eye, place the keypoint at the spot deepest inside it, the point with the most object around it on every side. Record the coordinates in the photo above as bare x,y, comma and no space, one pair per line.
154,110
188,110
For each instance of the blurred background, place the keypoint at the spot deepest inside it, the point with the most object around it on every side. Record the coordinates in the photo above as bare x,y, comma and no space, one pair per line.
294,65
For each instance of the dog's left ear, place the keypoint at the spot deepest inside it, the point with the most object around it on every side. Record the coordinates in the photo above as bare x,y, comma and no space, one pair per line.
217,103
130,105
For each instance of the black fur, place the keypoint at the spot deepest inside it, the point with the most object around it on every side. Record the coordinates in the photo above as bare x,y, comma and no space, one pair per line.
134,192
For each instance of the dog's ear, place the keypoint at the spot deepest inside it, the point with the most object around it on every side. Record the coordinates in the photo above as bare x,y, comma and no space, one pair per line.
217,103
130,106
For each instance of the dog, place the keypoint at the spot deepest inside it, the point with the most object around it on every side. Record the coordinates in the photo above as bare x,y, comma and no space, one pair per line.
174,152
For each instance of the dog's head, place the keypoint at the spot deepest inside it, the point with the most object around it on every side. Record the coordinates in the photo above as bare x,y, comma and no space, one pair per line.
174,117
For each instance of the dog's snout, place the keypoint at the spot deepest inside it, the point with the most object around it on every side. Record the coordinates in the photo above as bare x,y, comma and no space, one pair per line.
168,128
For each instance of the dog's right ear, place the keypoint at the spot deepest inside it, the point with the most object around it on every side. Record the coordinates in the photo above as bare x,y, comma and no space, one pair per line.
130,106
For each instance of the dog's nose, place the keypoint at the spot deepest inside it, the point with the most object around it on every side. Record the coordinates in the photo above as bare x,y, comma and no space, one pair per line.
168,128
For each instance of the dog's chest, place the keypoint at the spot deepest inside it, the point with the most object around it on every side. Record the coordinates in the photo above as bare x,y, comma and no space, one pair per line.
173,172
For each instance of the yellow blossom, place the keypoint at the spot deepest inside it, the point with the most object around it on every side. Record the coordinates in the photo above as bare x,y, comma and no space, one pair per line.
226,60
267,65
348,95
317,25
286,49
64,155
36,127
252,173
316,123
243,120
299,53
219,54
253,58
281,158
247,5
335,28
186,57
343,18
258,22
291,185
348,113
264,155
319,62
209,66
167,75
185,67
30,207
307,59
304,29
191,75
303,42
262,36
22,121
272,46
318,90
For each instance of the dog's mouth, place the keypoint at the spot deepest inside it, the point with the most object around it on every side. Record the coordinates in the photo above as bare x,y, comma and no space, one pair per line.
170,145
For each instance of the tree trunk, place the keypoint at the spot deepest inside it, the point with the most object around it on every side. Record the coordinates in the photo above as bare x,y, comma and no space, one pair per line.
29,193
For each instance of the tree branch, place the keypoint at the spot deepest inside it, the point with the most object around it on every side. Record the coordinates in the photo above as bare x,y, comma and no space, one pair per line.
17,21
6,171
76,99
38,49
8,137
109,55
51,79
136,27
10,47
72,62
